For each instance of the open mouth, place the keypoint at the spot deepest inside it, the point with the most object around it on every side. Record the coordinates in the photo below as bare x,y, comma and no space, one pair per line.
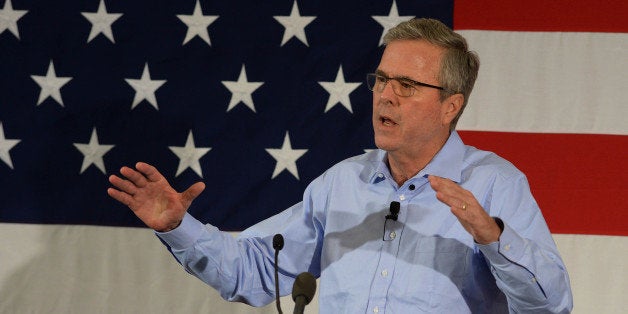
386,121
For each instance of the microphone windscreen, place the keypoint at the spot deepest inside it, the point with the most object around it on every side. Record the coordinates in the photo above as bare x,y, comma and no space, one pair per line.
394,207
278,242
304,285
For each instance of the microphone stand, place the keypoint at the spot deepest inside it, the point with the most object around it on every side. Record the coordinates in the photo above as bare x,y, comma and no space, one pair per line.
277,245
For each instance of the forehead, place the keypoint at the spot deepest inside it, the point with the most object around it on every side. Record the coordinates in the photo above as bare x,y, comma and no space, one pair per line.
416,59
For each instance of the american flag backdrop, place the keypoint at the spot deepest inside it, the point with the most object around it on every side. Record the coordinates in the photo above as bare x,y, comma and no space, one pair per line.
254,98
258,98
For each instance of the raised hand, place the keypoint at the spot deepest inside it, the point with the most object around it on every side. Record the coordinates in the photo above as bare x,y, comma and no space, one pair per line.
466,208
149,195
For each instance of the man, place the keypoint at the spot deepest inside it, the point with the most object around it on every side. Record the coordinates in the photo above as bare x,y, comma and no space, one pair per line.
469,237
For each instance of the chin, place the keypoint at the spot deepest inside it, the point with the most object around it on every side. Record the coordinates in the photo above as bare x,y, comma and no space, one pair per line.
383,145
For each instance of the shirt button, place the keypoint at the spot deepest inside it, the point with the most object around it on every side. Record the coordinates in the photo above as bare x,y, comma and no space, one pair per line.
376,309
507,247
380,175
393,235
384,273
402,197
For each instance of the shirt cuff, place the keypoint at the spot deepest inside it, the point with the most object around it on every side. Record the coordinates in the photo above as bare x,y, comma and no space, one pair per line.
186,234
509,249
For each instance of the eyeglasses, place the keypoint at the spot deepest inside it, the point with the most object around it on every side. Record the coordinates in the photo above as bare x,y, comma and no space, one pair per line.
402,87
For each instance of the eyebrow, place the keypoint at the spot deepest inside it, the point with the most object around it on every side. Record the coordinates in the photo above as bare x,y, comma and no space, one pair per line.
403,77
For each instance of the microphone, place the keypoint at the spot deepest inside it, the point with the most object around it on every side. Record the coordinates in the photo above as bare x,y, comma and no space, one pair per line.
394,211
303,291
277,245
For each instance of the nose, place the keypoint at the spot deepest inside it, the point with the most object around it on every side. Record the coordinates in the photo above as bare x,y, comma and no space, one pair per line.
388,94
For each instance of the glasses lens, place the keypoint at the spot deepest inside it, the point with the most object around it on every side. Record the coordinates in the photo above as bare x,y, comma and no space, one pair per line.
370,81
402,88
377,83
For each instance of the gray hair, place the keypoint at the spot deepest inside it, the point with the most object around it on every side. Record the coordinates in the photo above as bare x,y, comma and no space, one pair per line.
459,68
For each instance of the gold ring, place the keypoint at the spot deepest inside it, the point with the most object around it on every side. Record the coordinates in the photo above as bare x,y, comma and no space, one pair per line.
464,206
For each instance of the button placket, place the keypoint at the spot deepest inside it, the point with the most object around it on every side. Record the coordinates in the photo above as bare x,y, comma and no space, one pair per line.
385,273
386,265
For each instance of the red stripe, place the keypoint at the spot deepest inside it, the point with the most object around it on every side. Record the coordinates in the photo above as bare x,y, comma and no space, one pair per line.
542,15
580,181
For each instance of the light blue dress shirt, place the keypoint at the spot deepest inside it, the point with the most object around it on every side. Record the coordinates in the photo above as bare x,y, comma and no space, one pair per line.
425,262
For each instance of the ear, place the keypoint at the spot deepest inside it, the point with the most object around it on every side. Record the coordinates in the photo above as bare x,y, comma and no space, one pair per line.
451,106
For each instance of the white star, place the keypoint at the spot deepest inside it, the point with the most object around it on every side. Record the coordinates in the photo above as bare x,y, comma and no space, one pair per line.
241,90
50,85
145,88
197,24
93,153
339,91
391,20
101,22
189,155
286,157
5,147
9,17
295,25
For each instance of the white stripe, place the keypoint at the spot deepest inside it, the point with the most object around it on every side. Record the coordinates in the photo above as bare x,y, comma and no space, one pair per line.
88,269
597,270
83,269
549,82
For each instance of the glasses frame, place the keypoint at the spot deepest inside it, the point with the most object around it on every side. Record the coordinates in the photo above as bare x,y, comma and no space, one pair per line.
374,77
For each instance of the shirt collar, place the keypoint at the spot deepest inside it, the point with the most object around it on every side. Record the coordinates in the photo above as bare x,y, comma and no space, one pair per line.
447,163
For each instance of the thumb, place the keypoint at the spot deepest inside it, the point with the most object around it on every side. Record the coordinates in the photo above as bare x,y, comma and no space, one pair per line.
193,192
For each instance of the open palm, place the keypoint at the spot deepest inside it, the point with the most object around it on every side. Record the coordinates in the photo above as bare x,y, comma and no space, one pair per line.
150,196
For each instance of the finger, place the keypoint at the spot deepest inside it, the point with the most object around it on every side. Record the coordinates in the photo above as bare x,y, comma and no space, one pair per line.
440,184
120,196
134,176
150,172
193,192
462,208
451,193
454,202
123,185
446,190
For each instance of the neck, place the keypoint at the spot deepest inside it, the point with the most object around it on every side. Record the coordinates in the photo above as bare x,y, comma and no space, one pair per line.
403,169
405,165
